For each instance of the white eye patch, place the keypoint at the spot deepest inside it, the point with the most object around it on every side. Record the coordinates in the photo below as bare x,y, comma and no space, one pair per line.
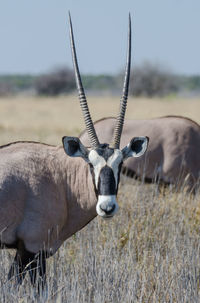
114,161
98,163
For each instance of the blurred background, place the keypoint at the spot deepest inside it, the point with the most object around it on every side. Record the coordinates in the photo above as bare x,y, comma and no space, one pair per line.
37,87
36,58
150,251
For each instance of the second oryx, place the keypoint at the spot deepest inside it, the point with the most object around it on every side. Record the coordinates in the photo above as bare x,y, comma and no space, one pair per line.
173,155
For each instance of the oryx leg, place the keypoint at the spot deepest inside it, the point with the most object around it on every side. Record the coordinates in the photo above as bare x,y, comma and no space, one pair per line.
19,266
26,261
37,269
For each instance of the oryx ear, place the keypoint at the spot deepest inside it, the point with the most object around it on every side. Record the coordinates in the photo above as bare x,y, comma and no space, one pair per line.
74,148
136,148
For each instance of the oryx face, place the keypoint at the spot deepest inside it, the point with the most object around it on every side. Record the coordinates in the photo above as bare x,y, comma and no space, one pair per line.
105,165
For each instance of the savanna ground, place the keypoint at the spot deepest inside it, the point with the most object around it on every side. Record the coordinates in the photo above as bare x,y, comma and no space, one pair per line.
149,252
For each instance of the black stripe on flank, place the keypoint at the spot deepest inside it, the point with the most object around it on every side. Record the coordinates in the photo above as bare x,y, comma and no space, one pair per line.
106,184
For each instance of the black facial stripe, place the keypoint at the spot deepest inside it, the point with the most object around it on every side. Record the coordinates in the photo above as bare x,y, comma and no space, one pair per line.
106,183
119,170
93,178
105,151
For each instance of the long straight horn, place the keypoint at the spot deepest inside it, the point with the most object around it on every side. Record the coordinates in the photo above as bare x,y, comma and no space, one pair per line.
123,102
83,101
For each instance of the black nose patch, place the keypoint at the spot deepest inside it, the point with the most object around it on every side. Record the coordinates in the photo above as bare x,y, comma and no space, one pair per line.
106,184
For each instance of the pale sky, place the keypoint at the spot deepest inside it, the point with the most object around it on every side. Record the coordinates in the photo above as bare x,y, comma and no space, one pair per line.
35,34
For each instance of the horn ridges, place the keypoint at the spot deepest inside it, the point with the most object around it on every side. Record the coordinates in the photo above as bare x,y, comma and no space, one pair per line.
83,101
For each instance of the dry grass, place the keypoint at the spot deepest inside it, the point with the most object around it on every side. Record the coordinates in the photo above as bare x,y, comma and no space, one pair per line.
48,119
148,253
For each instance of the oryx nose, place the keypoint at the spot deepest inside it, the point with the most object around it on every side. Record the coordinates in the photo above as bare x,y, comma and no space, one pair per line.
107,208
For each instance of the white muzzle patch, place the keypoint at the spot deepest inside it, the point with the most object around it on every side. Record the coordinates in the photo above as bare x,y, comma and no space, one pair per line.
107,206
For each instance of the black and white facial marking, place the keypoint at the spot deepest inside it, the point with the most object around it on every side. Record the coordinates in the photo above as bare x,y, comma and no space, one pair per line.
105,164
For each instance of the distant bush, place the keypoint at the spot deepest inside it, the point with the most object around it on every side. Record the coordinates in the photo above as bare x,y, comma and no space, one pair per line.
190,83
146,80
58,82
99,82
14,84
151,80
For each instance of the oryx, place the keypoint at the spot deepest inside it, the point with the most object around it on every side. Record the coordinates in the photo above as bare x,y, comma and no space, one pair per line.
46,196
173,155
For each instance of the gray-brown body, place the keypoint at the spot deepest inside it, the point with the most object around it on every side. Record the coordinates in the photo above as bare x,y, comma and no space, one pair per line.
173,154
43,196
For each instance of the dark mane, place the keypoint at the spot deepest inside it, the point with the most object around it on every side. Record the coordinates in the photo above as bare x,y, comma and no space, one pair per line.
181,117
105,118
6,145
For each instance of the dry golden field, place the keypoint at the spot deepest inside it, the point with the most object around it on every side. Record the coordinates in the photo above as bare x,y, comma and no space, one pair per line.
48,119
149,252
